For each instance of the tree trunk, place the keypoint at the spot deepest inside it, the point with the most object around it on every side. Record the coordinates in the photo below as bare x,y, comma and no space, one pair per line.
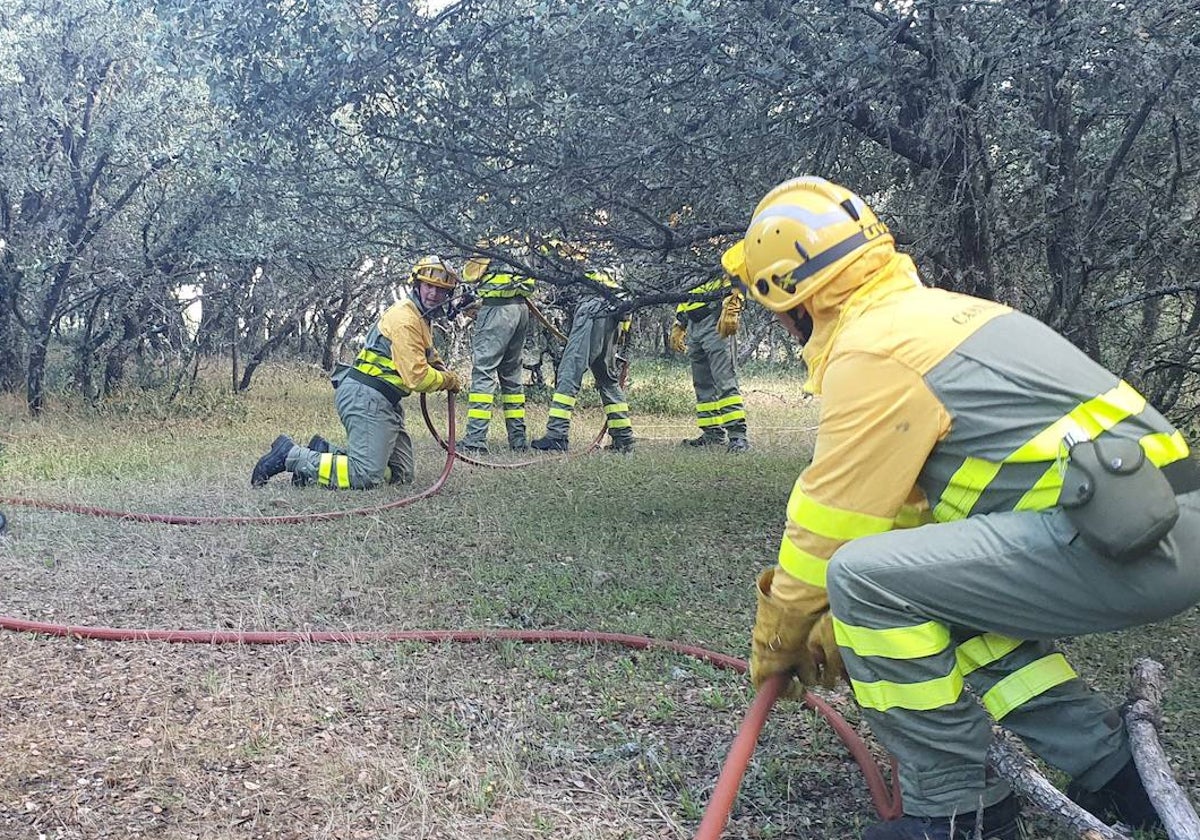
35,374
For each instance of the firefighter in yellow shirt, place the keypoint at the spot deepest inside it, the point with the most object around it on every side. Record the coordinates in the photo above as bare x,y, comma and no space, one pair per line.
949,410
397,359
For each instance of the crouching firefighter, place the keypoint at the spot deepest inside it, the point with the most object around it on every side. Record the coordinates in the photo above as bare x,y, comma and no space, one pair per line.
397,359
1059,503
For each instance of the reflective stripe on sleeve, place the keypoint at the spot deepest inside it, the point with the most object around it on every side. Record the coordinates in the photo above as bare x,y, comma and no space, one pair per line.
834,523
802,565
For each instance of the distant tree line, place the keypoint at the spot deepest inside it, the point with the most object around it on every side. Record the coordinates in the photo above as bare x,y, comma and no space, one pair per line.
285,161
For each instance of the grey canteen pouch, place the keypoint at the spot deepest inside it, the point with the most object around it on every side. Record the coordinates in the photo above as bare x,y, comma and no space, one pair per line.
1119,501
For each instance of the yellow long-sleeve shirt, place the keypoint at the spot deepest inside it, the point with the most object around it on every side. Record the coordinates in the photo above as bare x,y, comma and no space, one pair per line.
411,347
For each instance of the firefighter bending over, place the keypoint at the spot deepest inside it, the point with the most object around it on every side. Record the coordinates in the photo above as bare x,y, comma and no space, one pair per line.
591,345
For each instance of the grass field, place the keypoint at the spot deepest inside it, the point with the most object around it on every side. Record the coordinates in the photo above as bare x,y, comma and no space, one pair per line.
414,741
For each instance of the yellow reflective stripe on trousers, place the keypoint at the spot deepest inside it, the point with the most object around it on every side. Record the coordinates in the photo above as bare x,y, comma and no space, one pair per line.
1093,417
978,651
514,406
616,408
918,697
717,405
620,423
480,406
893,642
1024,684
333,470
834,523
801,564
564,400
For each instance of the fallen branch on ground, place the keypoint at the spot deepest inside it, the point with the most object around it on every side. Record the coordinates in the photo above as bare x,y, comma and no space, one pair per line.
1024,778
1143,718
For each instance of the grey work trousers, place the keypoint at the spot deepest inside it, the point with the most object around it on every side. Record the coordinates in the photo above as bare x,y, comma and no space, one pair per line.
720,410
497,344
378,447
1002,587
591,345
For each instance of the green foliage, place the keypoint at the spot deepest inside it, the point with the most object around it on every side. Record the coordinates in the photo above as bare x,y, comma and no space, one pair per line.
291,159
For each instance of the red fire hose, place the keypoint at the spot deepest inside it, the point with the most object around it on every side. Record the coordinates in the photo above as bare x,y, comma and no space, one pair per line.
716,815
887,803
289,519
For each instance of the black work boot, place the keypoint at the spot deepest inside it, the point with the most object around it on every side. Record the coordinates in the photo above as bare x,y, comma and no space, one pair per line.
738,445
273,463
1122,799
468,448
317,444
621,445
550,444
705,439
1000,822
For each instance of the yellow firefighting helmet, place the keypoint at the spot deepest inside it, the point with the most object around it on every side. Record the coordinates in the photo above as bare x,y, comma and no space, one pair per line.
802,235
476,268
433,270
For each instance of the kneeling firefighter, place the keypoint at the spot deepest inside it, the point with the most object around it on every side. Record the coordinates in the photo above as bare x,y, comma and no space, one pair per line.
1059,503
397,359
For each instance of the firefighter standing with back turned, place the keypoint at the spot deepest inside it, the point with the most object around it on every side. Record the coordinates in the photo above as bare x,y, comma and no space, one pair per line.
720,411
963,408
397,359
497,345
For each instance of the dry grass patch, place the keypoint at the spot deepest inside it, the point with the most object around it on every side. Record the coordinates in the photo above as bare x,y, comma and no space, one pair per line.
414,741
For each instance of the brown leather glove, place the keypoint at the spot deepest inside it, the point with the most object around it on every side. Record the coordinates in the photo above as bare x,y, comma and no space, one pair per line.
678,339
792,638
826,653
731,315
451,382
